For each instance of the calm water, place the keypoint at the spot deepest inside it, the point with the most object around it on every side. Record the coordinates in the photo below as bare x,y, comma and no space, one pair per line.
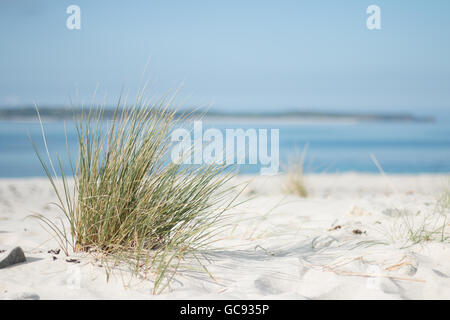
336,147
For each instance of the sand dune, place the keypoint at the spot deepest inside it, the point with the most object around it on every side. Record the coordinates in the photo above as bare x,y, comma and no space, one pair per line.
347,240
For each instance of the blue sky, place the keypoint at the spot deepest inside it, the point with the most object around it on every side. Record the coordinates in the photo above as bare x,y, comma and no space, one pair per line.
232,55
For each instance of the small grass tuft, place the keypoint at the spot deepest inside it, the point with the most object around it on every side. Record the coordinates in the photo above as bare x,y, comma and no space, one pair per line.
421,227
443,204
295,183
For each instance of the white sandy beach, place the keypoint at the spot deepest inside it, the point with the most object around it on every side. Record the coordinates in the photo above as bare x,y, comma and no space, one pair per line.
345,241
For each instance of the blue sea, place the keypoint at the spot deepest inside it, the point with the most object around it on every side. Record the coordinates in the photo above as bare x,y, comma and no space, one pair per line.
399,147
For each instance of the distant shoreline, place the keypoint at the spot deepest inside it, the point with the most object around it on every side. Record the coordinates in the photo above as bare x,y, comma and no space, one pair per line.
53,113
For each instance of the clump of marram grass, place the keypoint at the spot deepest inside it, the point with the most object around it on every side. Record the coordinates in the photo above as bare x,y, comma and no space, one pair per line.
129,202
295,180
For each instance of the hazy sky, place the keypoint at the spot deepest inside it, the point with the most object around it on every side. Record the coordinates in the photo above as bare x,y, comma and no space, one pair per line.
235,55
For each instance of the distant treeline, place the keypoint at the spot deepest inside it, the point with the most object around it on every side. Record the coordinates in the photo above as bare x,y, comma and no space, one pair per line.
54,113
